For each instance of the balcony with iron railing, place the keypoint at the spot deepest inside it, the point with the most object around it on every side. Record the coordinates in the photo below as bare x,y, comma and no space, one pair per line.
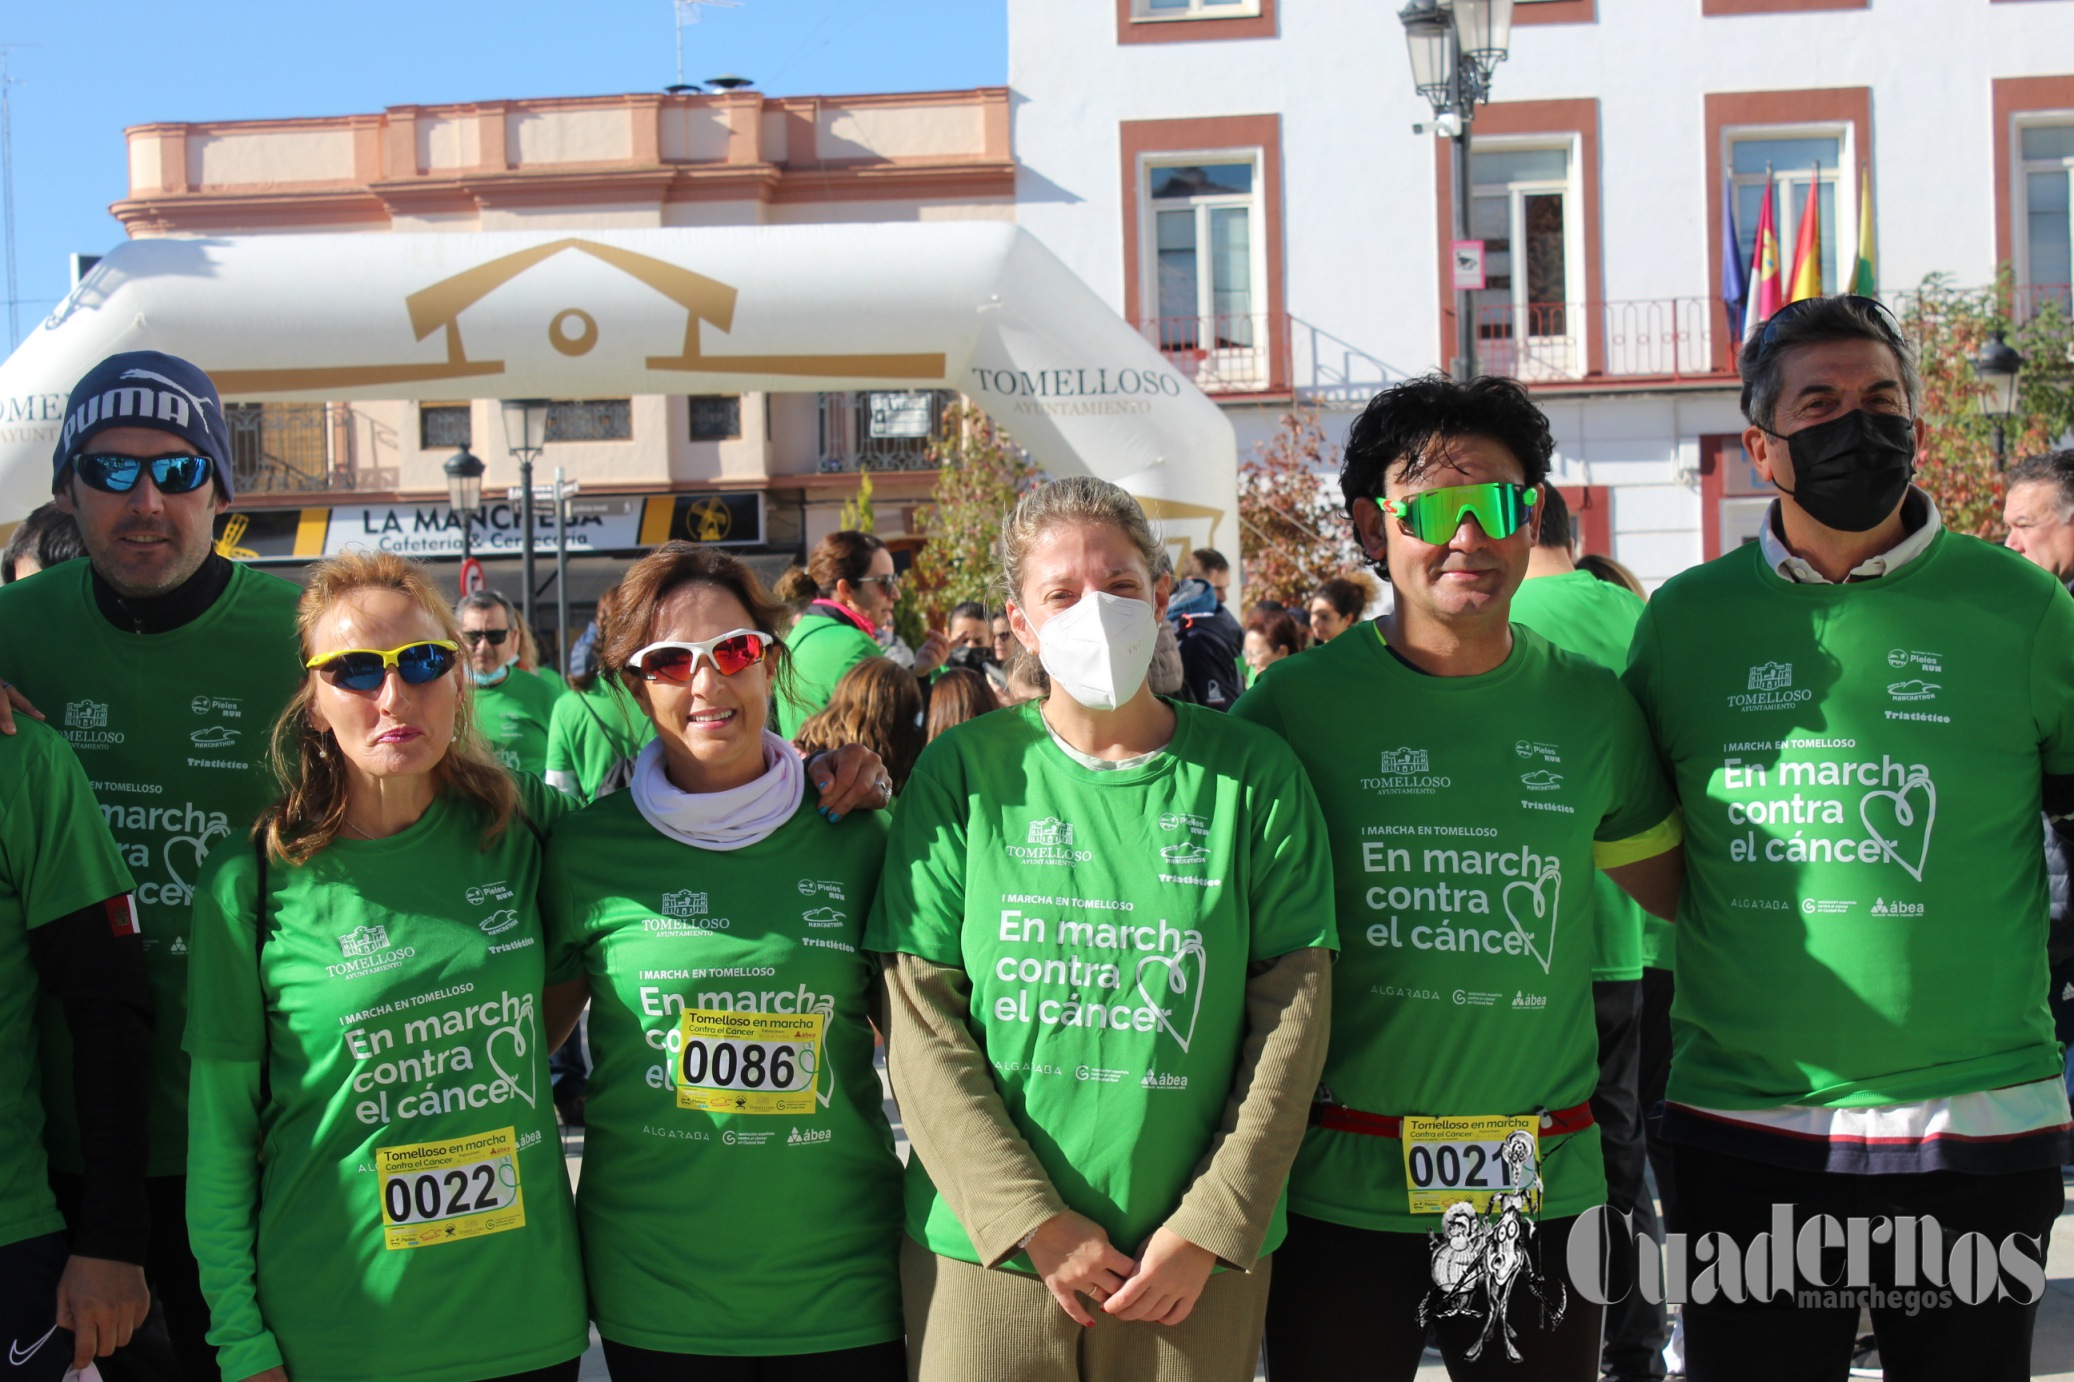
1233,353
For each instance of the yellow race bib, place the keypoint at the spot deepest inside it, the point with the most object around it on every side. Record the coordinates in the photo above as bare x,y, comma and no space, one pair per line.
443,1192
1473,1160
735,1062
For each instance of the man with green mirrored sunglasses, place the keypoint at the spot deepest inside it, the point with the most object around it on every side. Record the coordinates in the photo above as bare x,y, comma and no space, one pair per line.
1474,778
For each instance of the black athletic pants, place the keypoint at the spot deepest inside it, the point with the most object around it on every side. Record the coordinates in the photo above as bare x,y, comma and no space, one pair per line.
1345,1305
1793,1339
559,1372
885,1362
37,1350
1658,987
176,1286
1634,1325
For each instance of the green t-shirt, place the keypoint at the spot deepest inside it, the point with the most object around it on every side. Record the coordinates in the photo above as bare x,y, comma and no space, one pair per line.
1458,809
172,730
554,681
55,858
513,717
822,648
591,730
740,1194
1107,920
1865,905
414,1208
1594,619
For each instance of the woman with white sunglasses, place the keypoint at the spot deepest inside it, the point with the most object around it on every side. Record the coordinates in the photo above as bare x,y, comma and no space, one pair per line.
740,1198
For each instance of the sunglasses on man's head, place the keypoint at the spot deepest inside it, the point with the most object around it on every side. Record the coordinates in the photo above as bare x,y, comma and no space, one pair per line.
119,474
365,669
677,662
1435,515
1870,308
494,637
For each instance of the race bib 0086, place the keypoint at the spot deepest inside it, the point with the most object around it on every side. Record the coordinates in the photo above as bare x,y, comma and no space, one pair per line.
737,1062
443,1192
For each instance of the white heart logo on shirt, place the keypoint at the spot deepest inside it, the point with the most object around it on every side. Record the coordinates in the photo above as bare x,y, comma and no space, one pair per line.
1177,980
519,1039
199,846
1537,901
1892,818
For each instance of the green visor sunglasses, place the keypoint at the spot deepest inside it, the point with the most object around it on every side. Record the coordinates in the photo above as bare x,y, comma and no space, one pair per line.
1435,515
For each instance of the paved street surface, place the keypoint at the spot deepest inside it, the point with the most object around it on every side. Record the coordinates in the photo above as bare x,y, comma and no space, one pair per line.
2052,1352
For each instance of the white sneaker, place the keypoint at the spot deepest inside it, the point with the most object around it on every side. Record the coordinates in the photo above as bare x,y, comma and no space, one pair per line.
1674,1348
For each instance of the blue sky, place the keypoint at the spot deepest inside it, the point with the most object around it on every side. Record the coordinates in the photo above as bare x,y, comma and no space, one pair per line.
101,65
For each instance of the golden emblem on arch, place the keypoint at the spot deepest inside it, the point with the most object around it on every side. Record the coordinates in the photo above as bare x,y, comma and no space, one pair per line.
234,533
437,307
708,520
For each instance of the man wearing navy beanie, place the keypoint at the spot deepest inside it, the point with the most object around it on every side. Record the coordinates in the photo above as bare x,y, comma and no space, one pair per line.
164,665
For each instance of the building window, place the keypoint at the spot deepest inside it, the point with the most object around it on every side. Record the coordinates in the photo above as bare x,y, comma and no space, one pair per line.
1800,166
2045,251
444,425
1522,207
1194,9
1207,267
715,417
590,419
280,447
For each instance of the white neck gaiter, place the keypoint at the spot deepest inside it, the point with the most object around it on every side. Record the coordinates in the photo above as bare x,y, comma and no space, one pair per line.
732,819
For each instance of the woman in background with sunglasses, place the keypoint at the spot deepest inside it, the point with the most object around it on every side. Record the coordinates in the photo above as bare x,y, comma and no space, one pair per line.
376,1188
740,1199
853,575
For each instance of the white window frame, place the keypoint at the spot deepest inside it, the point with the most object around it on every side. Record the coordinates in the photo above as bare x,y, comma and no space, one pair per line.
1219,369
1143,13
2020,185
1547,359
1844,177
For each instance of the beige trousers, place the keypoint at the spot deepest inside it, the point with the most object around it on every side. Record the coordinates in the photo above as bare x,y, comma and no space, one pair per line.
968,1324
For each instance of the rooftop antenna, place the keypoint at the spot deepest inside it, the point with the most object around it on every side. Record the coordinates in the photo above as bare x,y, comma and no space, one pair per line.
688,13
7,84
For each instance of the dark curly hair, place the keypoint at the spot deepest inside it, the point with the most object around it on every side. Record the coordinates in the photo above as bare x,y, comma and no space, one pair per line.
1400,424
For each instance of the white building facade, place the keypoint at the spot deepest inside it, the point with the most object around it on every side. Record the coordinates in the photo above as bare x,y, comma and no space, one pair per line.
1242,179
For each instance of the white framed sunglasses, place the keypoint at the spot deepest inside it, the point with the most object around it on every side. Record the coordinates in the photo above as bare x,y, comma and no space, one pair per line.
677,662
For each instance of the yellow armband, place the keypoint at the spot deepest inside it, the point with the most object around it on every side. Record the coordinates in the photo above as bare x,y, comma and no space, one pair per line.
1657,839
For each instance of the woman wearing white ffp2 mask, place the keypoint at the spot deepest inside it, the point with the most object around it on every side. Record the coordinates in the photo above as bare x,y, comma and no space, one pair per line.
1107,922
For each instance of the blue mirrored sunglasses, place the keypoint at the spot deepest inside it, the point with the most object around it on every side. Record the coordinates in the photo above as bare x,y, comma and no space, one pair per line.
119,474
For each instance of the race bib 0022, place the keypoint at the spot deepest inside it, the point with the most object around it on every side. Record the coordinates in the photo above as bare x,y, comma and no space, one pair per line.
443,1192
734,1062
1473,1160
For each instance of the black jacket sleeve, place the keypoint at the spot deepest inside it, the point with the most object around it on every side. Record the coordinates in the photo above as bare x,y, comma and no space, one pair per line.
92,962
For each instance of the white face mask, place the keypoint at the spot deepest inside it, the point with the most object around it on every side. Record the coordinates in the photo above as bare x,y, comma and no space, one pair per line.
1098,650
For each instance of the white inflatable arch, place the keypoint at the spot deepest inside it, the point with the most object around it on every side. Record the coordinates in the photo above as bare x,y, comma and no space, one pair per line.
980,307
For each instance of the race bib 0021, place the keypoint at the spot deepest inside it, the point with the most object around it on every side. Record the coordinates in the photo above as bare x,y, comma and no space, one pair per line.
735,1062
1473,1160
443,1192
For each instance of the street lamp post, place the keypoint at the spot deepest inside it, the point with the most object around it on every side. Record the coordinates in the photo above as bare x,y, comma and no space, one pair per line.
525,436
1454,46
464,495
1997,366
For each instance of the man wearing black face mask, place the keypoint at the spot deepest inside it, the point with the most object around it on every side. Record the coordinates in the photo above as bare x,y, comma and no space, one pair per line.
1858,711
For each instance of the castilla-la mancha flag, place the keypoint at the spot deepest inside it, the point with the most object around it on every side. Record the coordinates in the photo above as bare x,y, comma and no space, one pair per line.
1767,294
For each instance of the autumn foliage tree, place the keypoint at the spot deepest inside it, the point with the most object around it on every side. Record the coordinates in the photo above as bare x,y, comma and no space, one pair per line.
1949,326
1293,531
980,474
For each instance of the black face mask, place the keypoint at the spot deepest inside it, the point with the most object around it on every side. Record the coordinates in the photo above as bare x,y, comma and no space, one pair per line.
1850,471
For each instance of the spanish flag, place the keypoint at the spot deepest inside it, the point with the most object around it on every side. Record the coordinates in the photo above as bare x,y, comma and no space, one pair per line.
1807,254
1862,276
1766,292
